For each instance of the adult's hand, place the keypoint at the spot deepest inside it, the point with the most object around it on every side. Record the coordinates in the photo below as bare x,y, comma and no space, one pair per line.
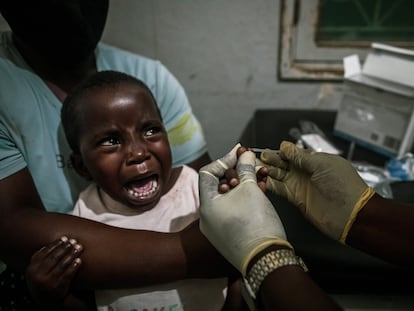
51,270
325,187
241,222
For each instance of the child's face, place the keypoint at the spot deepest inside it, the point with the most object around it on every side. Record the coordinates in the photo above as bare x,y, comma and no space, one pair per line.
124,146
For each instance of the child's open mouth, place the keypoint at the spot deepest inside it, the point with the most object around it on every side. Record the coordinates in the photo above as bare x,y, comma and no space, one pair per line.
143,189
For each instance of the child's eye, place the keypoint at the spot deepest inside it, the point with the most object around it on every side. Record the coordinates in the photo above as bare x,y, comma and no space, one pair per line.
152,131
110,141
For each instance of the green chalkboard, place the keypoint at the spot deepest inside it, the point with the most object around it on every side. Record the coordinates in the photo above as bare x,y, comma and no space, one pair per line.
357,21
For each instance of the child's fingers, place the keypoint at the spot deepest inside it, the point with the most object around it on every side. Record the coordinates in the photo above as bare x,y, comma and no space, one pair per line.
261,175
229,180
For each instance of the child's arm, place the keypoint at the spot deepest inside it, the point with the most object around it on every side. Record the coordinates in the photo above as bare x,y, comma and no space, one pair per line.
50,273
234,299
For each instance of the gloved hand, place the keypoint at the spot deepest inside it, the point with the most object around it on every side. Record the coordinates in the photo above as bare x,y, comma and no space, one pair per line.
326,188
241,222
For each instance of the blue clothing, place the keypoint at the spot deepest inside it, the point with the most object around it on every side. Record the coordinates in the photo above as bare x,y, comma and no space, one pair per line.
31,134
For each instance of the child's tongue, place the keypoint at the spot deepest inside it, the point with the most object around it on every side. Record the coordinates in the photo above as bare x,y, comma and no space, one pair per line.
145,187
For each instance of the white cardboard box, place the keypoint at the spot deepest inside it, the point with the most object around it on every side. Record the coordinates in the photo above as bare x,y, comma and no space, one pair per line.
377,107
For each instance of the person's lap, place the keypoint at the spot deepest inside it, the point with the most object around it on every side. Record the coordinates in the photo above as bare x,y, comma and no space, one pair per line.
14,295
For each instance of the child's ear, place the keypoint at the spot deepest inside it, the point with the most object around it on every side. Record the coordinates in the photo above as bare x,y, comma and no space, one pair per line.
79,166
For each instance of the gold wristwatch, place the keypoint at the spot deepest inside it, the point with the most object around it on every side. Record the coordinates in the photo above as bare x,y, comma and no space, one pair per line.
268,263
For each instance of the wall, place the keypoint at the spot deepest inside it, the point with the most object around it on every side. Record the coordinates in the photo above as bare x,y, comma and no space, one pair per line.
223,52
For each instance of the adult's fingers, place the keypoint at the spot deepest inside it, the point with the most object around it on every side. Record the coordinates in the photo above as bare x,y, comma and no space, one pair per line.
231,177
277,187
276,173
295,155
67,265
70,269
210,174
40,256
218,167
246,167
273,158
55,253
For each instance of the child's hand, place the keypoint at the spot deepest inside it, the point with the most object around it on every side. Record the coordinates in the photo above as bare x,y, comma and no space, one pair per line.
231,178
51,270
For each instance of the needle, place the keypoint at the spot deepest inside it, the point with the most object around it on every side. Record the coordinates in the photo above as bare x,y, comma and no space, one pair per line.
260,150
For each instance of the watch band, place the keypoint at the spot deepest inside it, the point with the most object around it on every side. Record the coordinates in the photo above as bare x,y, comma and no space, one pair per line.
268,263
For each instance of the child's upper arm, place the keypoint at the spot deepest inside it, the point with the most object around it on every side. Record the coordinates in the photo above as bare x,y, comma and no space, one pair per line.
234,299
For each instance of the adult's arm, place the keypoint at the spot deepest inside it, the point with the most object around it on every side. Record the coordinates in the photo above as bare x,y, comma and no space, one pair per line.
226,219
290,288
330,194
384,228
113,257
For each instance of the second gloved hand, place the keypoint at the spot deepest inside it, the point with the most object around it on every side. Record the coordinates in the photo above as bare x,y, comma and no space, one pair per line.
243,215
325,187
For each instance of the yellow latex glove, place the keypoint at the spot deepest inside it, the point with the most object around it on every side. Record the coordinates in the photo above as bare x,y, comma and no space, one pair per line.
326,188
241,222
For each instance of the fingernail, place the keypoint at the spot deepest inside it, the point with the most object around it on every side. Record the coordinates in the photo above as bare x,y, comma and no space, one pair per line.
224,188
72,241
78,248
64,239
77,262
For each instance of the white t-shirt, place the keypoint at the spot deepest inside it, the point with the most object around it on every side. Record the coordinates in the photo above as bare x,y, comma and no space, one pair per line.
176,209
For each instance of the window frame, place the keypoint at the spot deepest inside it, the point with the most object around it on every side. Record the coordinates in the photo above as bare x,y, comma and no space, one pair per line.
300,59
